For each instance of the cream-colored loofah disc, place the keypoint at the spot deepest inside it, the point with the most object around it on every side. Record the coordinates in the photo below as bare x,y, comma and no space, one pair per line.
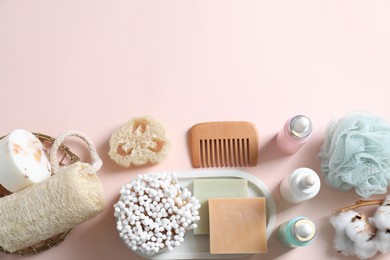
140,141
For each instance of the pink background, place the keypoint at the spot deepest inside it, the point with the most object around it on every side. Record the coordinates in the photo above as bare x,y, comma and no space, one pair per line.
92,65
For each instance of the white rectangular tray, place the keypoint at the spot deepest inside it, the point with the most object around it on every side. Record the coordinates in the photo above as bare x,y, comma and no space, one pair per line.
198,246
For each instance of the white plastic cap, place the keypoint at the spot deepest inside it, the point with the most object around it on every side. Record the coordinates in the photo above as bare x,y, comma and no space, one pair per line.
300,126
305,230
309,181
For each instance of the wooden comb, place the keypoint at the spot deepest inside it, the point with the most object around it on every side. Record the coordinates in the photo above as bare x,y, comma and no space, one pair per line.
223,144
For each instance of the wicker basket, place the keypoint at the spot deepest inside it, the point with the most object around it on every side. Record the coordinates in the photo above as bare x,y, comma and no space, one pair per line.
68,157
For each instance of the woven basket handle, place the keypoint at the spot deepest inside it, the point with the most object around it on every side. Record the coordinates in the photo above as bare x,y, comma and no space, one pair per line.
96,161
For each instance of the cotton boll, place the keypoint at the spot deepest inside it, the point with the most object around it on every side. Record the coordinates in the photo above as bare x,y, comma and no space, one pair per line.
359,229
340,221
382,241
381,218
342,242
363,248
362,233
353,235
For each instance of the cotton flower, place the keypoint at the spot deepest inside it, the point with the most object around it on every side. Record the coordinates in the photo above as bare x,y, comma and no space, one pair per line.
383,242
342,242
381,219
362,234
354,235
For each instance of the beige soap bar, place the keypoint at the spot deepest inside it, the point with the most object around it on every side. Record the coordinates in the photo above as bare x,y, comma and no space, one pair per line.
237,226
205,189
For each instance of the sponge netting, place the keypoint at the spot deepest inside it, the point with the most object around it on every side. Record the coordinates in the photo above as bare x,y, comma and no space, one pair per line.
356,154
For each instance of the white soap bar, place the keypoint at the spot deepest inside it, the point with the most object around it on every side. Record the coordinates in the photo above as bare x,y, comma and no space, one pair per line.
23,161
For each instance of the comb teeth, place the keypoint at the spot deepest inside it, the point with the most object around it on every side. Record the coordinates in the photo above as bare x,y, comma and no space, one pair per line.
224,152
223,144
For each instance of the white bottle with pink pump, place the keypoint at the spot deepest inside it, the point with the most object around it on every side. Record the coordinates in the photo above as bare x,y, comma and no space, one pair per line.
295,133
302,184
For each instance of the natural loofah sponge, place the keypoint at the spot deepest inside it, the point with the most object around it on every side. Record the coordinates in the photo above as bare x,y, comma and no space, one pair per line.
140,141
356,154
50,207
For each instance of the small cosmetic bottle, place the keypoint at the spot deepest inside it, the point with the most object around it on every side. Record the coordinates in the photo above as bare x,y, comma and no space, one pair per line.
297,232
295,133
302,184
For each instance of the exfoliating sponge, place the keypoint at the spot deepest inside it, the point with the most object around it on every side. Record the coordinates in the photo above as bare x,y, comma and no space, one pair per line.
49,208
356,154
140,141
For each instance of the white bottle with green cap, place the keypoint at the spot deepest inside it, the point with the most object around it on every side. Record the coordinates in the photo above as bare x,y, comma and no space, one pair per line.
302,184
299,231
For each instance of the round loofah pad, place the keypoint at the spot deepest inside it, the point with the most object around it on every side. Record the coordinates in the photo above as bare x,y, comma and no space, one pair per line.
356,154
140,141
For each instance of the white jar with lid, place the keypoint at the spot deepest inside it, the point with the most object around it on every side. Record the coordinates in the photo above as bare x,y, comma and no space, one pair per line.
302,184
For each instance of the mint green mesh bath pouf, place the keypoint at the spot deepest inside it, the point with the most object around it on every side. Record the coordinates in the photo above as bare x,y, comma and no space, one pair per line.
356,154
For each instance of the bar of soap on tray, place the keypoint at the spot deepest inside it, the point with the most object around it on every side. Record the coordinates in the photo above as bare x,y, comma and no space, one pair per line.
238,226
23,162
204,189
